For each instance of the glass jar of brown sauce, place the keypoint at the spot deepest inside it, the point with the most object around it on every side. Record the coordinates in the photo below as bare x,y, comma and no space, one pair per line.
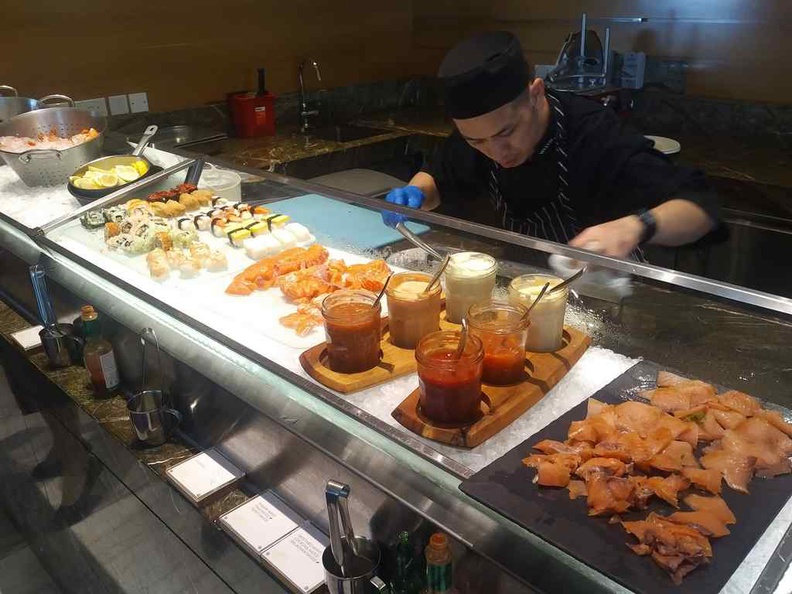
352,330
413,313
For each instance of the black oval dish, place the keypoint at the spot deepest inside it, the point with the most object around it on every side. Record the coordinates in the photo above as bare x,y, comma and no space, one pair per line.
87,196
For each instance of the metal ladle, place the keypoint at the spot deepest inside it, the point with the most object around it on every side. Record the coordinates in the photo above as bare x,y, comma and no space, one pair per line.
417,241
570,280
538,297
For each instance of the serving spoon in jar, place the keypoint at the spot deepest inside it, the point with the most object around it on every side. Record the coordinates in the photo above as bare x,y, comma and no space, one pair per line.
538,298
569,280
437,274
382,292
462,340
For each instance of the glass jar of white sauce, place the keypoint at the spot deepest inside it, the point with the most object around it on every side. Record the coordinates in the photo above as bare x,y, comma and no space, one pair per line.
547,319
469,278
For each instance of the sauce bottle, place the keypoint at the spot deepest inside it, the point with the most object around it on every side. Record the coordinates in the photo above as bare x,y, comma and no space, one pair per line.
98,355
438,565
405,580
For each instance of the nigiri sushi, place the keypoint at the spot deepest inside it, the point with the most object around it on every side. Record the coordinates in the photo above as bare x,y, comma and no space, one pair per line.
237,237
217,261
163,241
183,239
202,222
186,224
262,246
257,228
286,239
190,268
300,232
219,201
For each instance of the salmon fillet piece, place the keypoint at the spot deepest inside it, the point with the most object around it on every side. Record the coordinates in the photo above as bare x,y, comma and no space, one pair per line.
735,467
728,419
714,505
674,457
739,401
608,495
605,466
708,479
553,470
668,488
577,489
776,420
704,521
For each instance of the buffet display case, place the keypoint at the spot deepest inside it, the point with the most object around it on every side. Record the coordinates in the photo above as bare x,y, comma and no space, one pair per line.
727,335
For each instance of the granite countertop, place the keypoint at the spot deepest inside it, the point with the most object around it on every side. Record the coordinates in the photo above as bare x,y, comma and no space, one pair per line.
112,415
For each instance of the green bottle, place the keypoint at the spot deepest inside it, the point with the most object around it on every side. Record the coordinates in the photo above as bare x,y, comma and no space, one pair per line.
405,580
438,565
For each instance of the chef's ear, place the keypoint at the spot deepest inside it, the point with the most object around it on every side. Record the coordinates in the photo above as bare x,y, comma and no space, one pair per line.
536,89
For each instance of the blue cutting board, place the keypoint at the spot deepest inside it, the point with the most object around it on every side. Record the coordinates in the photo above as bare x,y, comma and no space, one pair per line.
339,224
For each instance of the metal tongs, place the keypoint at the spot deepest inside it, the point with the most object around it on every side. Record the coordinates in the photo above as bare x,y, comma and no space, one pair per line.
417,241
342,537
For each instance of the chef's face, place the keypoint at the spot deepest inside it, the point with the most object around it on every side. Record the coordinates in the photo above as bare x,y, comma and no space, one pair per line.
509,134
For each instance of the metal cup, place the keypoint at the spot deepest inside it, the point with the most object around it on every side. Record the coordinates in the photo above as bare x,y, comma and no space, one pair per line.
360,569
149,417
60,345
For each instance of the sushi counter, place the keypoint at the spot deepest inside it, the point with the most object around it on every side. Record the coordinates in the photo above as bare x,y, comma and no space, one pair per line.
278,356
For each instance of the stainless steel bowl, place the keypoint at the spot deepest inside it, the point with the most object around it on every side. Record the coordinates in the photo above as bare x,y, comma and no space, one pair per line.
51,167
11,106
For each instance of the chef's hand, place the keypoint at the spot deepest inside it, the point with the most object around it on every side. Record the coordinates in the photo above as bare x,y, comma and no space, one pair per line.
617,238
411,196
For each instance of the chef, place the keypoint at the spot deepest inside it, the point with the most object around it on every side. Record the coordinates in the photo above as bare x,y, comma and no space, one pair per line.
551,165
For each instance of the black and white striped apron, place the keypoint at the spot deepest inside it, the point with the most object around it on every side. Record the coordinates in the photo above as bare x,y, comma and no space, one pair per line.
556,221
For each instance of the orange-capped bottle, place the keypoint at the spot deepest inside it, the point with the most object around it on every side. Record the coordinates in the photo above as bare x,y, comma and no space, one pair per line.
438,565
98,355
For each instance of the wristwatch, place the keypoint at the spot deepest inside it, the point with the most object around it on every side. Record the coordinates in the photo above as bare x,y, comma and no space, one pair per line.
650,225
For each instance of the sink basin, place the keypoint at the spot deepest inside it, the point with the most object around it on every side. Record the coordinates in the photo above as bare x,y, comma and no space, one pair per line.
345,133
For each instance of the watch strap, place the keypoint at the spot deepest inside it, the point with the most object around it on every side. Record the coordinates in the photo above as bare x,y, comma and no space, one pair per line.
649,223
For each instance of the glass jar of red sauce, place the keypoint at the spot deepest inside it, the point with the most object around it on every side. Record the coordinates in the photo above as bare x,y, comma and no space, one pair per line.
502,328
450,389
413,313
352,330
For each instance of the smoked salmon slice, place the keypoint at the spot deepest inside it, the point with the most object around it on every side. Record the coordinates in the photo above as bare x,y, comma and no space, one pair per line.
714,505
704,521
708,479
735,467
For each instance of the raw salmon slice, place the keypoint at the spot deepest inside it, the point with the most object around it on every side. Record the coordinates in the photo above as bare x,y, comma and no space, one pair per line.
704,521
736,468
708,479
677,455
577,489
553,470
605,466
714,505
740,402
608,495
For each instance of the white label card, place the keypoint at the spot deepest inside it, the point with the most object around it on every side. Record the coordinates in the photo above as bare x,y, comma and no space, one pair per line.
299,558
205,473
261,521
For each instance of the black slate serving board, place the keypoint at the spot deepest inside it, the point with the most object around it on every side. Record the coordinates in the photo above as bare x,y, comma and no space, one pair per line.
505,486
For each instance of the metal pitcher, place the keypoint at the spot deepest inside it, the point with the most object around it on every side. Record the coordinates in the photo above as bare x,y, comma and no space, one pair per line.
350,562
60,344
147,410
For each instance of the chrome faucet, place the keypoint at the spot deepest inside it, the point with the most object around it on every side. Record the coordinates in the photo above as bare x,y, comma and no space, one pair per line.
304,111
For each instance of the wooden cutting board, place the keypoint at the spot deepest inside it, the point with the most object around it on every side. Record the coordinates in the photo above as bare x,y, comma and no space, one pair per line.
395,363
501,404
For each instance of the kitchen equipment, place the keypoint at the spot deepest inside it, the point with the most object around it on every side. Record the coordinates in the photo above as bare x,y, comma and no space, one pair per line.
253,114
350,562
180,136
462,339
110,162
539,297
582,62
15,105
51,167
223,182
382,292
667,146
60,344
417,241
566,282
437,274
501,405
506,487
147,411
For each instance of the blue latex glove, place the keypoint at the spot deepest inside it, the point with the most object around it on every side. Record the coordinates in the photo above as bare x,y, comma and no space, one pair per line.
411,196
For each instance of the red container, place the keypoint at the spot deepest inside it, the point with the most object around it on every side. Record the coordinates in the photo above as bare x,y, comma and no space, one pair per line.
253,115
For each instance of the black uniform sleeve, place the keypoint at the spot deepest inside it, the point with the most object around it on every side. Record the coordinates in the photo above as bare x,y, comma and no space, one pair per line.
624,173
458,170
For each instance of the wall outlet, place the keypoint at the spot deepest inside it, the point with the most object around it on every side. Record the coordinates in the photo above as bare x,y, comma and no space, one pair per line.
138,102
118,104
96,106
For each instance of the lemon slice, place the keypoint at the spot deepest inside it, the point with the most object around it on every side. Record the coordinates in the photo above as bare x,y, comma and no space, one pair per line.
85,184
126,173
93,169
107,180
141,167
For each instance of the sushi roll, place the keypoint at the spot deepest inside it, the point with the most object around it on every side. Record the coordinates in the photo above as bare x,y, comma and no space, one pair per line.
257,228
285,238
159,270
163,241
202,222
140,212
156,254
133,203
190,268
216,212
300,232
160,225
183,239
189,201
200,251
114,214
217,262
261,247
237,237
111,230
235,218
218,225
186,224
93,219
175,258
219,201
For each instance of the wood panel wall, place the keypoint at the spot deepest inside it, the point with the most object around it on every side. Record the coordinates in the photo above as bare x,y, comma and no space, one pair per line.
737,49
189,52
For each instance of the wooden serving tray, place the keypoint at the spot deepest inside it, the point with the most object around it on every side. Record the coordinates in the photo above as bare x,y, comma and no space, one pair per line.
395,363
502,404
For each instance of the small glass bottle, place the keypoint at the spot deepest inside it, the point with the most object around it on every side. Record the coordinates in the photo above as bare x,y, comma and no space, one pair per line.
438,565
405,580
98,355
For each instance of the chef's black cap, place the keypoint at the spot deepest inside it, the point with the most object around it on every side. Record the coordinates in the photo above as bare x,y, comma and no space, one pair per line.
482,73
